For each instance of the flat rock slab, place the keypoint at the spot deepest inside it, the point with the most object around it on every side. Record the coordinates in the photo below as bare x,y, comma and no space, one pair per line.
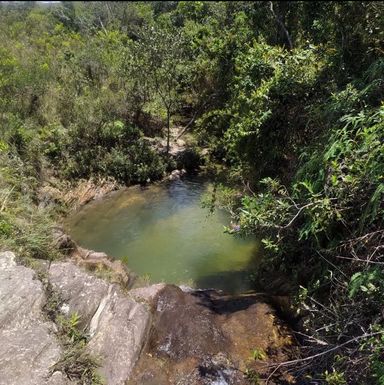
28,347
118,325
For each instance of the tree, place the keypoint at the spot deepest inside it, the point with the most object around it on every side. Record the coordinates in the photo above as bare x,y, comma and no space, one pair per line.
162,50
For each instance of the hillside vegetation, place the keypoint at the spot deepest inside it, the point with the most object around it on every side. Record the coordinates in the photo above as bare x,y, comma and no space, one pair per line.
287,96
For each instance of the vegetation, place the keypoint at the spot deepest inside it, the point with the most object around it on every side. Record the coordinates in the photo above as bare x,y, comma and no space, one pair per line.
76,362
287,96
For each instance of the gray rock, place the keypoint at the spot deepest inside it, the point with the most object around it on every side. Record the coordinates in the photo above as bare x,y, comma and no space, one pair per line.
119,330
28,347
118,325
21,296
97,255
81,292
62,240
7,260
147,294
177,174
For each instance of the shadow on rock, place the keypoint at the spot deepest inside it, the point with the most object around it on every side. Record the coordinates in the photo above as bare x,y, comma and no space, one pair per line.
227,304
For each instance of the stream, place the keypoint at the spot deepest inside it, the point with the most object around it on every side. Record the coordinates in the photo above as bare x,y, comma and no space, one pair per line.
163,234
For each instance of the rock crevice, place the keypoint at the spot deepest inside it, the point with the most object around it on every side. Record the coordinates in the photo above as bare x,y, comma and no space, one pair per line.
29,347
117,325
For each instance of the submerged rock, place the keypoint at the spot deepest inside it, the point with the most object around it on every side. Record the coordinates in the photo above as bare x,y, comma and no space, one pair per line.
28,347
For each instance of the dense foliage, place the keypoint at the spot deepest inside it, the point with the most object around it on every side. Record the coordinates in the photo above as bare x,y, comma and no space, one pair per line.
288,96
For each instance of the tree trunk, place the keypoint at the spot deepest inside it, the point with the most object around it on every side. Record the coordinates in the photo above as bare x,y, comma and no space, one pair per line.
280,22
168,130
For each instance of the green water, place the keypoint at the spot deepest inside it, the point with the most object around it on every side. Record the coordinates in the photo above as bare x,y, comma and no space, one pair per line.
164,234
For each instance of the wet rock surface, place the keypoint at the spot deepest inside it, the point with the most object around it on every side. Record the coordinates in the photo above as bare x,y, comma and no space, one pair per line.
175,336
28,347
205,338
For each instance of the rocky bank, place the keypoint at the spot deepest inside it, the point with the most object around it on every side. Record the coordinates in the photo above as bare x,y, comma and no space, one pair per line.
155,335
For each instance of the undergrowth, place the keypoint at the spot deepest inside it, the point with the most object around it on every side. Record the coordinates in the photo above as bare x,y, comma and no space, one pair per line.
76,362
324,230
25,227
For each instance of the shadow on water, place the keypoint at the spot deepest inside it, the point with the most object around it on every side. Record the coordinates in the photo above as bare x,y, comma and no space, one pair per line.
232,281
227,304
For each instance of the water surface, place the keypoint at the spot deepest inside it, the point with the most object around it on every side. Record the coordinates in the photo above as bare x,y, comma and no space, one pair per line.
163,233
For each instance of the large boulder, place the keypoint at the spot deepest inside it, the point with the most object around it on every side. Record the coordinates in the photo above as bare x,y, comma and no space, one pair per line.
117,325
28,347
207,338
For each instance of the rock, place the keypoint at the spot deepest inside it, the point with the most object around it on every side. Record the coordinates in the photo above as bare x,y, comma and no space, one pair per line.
63,241
59,378
177,174
119,330
147,294
118,326
93,260
183,328
7,261
82,292
207,338
116,271
97,255
28,347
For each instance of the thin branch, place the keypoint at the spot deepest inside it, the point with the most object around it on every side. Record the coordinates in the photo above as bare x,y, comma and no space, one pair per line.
194,117
188,125
102,26
360,260
332,264
319,342
297,361
296,215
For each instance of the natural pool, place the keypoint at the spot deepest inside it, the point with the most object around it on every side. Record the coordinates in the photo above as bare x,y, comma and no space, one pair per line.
163,233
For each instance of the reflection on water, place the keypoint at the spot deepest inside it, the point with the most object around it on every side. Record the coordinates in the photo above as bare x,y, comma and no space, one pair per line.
164,233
